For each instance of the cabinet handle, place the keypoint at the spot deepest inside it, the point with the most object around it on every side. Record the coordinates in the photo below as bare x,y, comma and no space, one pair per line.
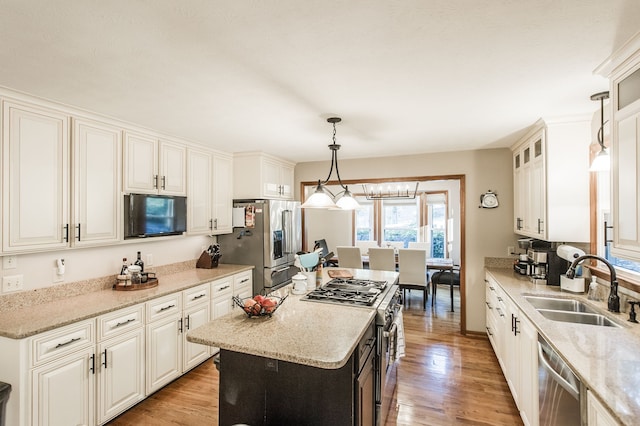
180,325
105,359
79,231
492,288
164,182
186,323
215,224
66,233
155,181
224,288
607,226
59,345
92,366
198,296
164,308
245,280
515,325
489,331
500,312
124,322
489,305
211,224
499,299
540,222
518,223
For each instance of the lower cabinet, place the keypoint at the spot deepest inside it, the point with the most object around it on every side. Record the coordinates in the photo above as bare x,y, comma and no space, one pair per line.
515,342
597,414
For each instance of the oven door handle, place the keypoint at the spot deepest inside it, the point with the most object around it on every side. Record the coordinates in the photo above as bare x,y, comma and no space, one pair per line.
392,342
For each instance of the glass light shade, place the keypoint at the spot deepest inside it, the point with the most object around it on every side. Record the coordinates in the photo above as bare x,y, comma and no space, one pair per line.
319,200
602,162
347,202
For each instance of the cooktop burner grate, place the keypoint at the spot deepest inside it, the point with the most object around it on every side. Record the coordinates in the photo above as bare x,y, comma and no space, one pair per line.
348,291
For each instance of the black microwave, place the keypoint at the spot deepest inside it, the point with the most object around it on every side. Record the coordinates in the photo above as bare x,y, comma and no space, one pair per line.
148,215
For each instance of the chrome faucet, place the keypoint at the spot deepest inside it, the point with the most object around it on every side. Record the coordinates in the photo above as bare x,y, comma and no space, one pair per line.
614,301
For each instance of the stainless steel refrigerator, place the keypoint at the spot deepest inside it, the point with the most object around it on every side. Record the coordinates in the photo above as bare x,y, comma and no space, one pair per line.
266,234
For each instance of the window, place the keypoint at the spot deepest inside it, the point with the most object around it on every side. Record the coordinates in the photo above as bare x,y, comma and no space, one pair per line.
364,220
400,220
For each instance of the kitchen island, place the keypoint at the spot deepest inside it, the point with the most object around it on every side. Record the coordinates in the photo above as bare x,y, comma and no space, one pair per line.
298,366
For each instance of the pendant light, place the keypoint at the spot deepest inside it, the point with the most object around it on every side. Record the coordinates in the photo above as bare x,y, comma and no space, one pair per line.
602,162
322,198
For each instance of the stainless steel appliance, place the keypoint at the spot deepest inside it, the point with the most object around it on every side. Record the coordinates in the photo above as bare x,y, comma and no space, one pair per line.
266,234
387,300
559,389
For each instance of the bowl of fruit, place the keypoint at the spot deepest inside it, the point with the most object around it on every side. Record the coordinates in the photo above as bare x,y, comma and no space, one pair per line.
259,306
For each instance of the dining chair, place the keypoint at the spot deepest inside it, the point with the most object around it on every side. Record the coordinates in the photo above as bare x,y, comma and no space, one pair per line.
412,264
365,245
349,257
382,259
450,278
419,245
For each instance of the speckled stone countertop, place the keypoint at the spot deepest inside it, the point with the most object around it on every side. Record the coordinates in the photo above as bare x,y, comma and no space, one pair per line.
317,334
30,320
606,359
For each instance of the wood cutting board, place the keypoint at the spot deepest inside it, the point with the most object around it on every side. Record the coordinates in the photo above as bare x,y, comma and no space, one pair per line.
339,273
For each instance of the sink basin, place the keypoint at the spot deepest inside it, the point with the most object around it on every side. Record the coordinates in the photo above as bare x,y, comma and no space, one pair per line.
558,304
568,310
578,317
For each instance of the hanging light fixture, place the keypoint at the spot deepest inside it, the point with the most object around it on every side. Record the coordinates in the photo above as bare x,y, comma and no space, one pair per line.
322,198
390,191
602,162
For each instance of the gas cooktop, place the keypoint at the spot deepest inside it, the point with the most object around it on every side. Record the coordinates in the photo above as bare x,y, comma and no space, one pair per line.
351,291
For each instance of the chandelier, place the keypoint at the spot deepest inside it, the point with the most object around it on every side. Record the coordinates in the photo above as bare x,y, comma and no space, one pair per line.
322,198
386,191
601,162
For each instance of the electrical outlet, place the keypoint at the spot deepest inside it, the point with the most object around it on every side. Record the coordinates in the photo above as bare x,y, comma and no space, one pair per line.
12,283
511,250
9,262
149,261
57,278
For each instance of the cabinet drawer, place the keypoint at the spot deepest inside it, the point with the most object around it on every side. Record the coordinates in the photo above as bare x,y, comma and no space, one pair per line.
196,295
222,287
242,281
164,307
120,321
61,341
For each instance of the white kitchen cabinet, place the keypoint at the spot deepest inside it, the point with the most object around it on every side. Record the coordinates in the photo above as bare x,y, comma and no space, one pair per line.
515,342
259,175
222,194
35,178
63,390
209,184
97,183
120,361
551,181
243,285
625,149
597,414
197,312
153,166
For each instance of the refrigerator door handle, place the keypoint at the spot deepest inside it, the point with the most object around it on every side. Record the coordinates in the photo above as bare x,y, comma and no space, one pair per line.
287,227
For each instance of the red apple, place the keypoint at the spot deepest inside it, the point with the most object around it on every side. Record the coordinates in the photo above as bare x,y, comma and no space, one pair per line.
269,304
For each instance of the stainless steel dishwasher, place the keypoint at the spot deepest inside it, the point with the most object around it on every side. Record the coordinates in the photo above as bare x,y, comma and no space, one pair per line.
560,389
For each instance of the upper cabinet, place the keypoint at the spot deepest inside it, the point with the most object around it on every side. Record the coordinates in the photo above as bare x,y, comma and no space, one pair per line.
551,181
623,69
209,183
259,175
35,178
153,166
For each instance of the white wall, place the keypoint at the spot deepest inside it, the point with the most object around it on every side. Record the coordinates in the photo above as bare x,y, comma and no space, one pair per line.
488,231
86,263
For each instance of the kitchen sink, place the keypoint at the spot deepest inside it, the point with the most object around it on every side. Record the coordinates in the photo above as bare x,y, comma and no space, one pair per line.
557,304
578,317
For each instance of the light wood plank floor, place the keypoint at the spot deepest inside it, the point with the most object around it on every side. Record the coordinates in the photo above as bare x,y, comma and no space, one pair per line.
444,379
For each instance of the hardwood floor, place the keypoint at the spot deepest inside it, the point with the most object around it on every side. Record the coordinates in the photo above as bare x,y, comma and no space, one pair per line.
444,379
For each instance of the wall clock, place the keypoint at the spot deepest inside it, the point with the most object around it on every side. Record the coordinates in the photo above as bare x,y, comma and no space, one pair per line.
489,200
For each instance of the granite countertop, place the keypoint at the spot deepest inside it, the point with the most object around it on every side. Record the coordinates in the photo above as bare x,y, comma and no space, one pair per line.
316,334
606,359
30,320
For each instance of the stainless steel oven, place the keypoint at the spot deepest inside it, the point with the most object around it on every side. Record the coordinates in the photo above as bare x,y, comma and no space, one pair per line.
387,349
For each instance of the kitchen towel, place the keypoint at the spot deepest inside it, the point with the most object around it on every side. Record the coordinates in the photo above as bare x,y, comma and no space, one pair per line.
400,346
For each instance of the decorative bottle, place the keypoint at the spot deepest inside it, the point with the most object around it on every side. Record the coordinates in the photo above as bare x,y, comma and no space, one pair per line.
139,262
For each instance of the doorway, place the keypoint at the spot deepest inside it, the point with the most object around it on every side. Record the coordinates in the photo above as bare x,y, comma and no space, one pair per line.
443,195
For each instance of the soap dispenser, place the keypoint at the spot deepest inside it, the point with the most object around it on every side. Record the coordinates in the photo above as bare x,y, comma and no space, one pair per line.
593,289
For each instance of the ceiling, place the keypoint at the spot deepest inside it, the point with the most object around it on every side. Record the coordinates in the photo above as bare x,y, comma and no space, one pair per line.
410,76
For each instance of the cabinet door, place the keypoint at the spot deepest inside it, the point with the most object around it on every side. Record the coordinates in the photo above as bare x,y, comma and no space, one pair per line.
626,190
63,391
172,178
121,377
200,192
140,164
193,353
222,194
597,414
97,202
528,363
511,350
164,352
270,179
537,190
35,173
286,182
519,191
